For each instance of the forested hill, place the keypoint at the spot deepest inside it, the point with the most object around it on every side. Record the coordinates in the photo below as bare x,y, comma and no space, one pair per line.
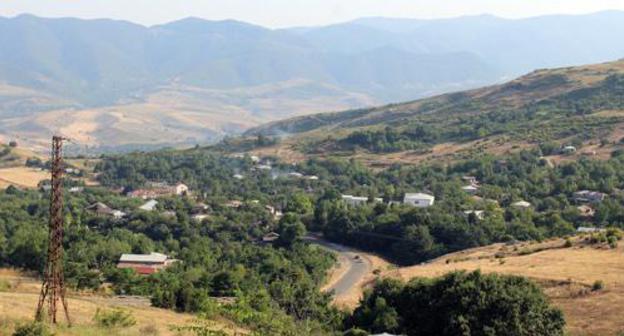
566,105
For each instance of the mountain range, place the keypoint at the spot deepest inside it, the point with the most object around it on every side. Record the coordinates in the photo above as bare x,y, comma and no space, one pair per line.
112,83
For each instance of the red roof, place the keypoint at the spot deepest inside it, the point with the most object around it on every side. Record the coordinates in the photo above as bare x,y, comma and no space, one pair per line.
145,270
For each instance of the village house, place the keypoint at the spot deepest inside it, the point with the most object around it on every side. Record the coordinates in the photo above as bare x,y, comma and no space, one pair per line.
586,196
479,214
419,200
102,209
521,204
200,208
145,264
471,180
357,200
158,189
568,150
75,190
586,211
149,205
583,229
270,237
470,189
354,200
277,214
181,189
233,204
199,217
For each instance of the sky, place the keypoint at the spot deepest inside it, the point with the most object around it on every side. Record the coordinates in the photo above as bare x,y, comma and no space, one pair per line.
289,13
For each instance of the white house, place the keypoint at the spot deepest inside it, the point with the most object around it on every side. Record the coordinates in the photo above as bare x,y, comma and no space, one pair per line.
568,150
471,189
117,214
478,213
199,217
354,200
181,189
521,204
149,205
419,200
583,229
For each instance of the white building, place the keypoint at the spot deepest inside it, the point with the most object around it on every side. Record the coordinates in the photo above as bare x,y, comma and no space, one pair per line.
521,204
471,189
199,217
584,229
181,189
478,213
419,200
354,200
149,205
117,214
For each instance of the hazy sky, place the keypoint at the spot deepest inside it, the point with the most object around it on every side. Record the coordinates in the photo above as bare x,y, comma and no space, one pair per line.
285,13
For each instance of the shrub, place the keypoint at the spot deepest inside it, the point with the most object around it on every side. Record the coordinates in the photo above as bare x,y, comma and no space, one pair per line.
459,303
32,329
568,243
5,285
613,242
113,318
598,285
149,330
355,332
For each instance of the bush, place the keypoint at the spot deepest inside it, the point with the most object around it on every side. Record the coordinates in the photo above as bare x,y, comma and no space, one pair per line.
32,329
613,241
5,285
598,285
568,243
113,318
355,332
459,303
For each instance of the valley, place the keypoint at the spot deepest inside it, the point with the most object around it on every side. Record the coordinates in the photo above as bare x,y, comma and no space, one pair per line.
379,176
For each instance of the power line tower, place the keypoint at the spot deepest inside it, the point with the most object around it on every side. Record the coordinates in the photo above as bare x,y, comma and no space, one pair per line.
53,288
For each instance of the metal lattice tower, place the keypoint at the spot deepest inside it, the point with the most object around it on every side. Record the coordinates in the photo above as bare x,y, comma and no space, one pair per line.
53,288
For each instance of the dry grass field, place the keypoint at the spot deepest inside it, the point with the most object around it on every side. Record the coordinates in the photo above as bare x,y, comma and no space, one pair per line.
567,275
18,301
24,177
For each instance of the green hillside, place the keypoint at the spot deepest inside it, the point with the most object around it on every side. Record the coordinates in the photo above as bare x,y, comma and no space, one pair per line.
569,106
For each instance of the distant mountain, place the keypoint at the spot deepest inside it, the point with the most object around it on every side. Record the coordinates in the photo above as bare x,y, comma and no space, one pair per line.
580,106
195,80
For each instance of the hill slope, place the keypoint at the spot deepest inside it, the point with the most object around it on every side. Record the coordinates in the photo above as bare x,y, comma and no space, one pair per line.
194,80
566,273
577,105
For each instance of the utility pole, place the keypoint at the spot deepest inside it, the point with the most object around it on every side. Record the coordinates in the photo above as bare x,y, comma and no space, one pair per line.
53,287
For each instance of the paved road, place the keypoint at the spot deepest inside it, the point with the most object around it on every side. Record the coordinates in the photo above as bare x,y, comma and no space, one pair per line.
358,268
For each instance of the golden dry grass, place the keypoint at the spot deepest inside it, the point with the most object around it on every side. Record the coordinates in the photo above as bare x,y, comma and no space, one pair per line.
567,275
22,176
18,304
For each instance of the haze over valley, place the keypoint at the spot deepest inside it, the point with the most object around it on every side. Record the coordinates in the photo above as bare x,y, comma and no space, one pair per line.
113,84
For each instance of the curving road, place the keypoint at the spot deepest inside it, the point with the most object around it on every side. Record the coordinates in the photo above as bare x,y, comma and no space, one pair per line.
358,267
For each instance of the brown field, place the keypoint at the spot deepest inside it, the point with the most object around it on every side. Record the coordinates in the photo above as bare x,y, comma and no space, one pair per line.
22,177
18,304
566,274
